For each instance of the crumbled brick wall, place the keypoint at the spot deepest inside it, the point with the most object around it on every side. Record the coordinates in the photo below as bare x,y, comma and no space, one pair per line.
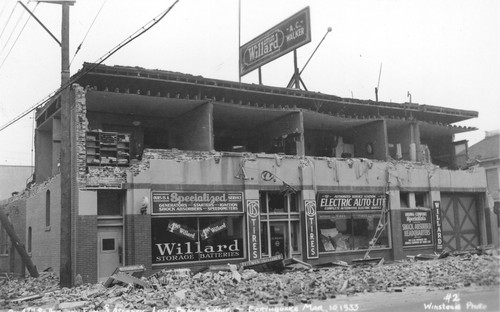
86,248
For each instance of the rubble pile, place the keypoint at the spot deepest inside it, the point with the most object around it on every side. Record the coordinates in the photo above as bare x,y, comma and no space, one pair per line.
240,288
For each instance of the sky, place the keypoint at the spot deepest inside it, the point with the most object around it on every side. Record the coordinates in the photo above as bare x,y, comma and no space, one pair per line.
443,53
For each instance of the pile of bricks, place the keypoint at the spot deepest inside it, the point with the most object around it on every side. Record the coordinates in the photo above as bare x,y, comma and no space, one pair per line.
232,289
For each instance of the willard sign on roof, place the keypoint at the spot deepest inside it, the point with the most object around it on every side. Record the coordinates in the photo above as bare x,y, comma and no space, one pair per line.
276,42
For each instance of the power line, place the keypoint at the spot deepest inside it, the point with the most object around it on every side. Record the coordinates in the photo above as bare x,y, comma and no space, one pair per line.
17,38
8,19
132,37
85,37
12,32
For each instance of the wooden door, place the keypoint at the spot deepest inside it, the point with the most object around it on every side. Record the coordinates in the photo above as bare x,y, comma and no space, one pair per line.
460,221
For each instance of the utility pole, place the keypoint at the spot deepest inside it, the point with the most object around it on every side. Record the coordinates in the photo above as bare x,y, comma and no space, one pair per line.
66,267
65,161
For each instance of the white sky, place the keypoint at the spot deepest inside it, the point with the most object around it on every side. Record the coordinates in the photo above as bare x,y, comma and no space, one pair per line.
445,53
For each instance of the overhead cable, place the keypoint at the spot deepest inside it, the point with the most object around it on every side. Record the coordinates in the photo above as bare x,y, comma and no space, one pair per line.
85,37
17,38
135,35
8,19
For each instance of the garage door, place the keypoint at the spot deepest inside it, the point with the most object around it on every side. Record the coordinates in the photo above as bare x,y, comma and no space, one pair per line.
460,221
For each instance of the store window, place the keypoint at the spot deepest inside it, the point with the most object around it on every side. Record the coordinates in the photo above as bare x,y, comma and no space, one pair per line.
351,231
109,202
188,239
348,222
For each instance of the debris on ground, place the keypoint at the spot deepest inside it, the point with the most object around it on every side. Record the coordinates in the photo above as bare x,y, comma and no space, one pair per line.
231,287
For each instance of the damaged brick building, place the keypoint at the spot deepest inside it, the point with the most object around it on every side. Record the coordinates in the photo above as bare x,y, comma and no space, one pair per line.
175,170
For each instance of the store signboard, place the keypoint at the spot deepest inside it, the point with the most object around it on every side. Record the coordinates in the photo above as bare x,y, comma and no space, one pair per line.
416,225
350,202
311,229
276,42
164,202
178,240
438,227
253,218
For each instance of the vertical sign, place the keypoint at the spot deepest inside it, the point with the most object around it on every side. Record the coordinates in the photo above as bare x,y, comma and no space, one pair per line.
253,218
439,229
311,229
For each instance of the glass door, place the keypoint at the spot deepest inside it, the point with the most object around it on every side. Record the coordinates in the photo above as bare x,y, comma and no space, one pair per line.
279,239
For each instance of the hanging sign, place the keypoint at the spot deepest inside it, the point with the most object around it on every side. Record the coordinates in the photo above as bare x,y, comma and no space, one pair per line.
253,218
196,202
182,230
288,35
416,226
311,229
213,229
350,202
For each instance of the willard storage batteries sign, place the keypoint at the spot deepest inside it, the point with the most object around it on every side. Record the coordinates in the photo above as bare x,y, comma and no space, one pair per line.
196,202
417,227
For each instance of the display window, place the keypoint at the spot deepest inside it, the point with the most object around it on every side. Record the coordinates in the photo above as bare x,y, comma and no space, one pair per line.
187,239
352,231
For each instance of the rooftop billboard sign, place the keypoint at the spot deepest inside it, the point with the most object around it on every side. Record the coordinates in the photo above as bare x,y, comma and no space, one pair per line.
276,42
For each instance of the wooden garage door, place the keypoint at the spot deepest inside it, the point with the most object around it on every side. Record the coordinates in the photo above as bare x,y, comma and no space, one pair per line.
460,221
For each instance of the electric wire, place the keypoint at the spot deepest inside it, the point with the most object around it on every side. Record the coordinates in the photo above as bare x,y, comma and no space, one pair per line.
85,37
17,38
8,19
12,32
135,35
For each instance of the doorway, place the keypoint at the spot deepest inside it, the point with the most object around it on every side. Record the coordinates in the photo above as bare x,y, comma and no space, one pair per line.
110,251
279,239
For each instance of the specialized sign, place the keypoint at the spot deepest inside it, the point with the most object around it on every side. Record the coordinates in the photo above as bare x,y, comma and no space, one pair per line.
439,229
311,229
276,42
253,217
416,226
196,202
350,202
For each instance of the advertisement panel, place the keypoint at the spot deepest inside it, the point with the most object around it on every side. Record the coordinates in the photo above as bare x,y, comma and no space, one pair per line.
350,202
439,228
253,217
164,202
416,226
276,42
311,229
177,240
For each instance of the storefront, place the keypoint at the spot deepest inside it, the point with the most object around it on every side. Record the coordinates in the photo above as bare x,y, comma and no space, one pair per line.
352,222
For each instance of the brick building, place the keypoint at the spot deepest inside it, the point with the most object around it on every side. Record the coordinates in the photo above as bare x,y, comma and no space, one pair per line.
175,170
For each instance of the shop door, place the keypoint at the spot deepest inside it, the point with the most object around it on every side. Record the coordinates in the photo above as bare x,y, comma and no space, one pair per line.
279,239
110,251
460,221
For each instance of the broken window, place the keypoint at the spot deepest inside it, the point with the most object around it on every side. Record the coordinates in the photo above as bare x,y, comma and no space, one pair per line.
109,202
350,231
